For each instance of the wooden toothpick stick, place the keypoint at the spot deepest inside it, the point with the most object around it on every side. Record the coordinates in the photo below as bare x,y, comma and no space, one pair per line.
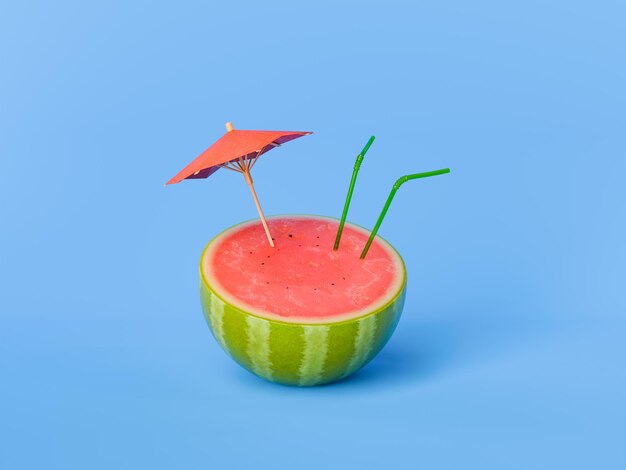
248,177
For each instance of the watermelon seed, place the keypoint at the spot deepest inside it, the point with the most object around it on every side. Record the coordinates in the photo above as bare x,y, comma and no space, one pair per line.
262,263
250,252
290,235
332,283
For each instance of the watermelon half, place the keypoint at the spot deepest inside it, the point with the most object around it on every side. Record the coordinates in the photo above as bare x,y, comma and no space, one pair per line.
301,313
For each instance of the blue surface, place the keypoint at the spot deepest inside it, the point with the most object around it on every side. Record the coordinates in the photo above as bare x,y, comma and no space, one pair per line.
511,350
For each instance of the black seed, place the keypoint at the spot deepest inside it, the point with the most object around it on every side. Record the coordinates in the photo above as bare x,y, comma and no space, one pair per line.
262,263
316,245
318,236
332,283
290,235
250,252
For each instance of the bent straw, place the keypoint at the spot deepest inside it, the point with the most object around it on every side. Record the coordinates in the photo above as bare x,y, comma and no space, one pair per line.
346,206
400,181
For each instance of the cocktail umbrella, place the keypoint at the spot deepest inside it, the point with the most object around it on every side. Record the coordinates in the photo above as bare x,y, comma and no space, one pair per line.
238,151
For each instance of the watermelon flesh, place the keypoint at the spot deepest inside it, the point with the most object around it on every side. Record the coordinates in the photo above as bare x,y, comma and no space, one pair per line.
302,279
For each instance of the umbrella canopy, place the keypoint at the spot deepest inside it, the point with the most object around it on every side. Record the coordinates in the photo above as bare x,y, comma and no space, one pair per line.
234,146
238,151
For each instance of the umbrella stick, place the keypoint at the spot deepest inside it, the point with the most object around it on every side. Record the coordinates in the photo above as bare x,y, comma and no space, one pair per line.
400,181
346,206
248,178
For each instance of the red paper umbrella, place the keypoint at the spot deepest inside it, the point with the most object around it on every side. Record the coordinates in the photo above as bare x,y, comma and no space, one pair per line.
237,151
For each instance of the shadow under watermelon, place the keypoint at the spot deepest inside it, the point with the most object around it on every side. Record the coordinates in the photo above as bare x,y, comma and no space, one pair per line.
443,343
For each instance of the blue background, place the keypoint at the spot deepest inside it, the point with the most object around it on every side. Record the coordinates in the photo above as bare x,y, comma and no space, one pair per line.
510,353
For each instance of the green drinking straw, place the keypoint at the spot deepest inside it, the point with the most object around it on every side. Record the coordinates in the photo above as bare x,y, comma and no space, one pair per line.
357,166
394,189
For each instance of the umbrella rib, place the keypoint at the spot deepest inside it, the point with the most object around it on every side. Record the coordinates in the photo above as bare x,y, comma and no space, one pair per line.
258,154
252,162
241,165
228,167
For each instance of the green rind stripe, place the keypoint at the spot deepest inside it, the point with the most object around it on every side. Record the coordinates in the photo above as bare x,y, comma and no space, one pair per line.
387,323
314,357
235,335
214,314
363,343
340,350
217,320
258,348
286,352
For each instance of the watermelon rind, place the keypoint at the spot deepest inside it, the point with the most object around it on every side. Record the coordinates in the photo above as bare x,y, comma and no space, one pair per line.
299,353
